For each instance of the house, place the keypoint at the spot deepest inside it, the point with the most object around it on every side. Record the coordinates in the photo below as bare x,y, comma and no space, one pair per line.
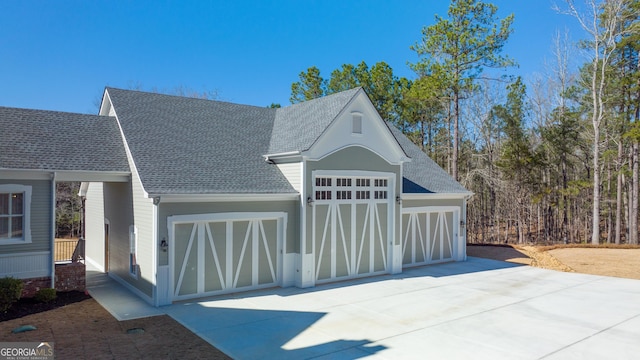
37,149
218,197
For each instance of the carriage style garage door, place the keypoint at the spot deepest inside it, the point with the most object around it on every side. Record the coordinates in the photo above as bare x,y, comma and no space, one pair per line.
350,226
429,235
222,253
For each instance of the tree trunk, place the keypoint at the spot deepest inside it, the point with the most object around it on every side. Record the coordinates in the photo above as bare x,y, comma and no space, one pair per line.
619,195
595,224
456,119
633,214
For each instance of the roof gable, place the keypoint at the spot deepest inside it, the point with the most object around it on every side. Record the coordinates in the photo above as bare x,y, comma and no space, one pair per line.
372,133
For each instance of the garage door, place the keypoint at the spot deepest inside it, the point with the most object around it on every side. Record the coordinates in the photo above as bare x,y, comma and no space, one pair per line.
350,226
429,235
222,253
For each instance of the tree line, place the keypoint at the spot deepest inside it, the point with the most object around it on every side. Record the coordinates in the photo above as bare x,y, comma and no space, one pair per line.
550,160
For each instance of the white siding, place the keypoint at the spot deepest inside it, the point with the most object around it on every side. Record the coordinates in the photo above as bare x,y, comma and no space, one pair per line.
143,214
293,173
26,265
94,227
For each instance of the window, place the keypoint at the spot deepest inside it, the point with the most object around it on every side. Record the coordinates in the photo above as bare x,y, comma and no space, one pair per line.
133,251
347,189
15,205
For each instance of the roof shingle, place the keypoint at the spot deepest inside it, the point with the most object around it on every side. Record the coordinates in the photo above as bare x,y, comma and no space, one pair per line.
52,140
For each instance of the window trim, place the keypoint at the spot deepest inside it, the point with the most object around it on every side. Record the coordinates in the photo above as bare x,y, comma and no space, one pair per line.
26,213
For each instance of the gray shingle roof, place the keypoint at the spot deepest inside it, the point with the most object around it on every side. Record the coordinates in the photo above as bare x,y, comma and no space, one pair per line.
194,146
422,175
298,126
52,140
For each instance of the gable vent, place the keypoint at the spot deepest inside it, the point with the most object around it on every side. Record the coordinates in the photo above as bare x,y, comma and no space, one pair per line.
356,123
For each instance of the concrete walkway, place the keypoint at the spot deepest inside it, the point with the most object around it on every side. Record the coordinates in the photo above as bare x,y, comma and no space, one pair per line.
480,309
116,299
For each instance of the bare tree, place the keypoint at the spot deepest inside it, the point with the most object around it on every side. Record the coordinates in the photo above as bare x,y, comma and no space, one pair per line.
601,20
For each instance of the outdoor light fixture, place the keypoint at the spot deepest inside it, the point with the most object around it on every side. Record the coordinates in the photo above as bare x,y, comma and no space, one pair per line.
309,201
164,245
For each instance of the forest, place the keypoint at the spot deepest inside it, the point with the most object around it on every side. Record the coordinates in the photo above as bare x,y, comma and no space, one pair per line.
553,159
549,160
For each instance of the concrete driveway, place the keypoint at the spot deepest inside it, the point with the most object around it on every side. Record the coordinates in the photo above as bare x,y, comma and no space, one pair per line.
480,309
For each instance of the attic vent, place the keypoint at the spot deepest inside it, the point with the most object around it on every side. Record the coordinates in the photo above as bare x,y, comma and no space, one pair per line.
356,123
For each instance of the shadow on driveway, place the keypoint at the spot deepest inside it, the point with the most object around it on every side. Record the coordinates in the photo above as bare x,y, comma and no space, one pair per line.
283,323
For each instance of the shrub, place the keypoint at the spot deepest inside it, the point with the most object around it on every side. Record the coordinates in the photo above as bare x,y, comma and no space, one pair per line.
10,292
45,295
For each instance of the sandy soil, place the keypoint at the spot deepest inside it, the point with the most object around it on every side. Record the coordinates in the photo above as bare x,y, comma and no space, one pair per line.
609,262
619,262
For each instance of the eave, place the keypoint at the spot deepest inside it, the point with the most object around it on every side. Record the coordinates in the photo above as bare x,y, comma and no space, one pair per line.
182,198
434,196
65,175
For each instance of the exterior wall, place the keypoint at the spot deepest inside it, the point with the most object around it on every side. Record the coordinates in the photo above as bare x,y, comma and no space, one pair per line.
31,260
70,277
118,201
94,226
145,222
433,202
354,158
293,173
290,207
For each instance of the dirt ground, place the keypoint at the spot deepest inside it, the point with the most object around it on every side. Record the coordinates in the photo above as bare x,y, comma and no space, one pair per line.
618,262
85,330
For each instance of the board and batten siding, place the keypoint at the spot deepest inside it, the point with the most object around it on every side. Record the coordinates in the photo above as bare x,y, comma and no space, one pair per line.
94,226
32,259
293,173
353,158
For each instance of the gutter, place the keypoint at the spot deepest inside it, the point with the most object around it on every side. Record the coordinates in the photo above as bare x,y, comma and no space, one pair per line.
270,158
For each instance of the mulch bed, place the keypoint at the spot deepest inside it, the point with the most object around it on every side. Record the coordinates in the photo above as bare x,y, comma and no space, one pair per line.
28,306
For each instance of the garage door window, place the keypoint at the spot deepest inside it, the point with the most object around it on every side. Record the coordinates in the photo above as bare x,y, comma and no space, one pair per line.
347,189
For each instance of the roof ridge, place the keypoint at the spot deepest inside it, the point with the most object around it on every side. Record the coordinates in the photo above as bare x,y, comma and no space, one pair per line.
52,111
325,97
186,97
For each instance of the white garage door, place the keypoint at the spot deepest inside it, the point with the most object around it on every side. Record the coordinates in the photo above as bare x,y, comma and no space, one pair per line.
350,226
222,253
429,235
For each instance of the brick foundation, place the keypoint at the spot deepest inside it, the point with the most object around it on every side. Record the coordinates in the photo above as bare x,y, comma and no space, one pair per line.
70,277
31,286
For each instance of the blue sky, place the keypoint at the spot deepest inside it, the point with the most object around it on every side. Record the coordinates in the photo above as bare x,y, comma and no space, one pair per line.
59,55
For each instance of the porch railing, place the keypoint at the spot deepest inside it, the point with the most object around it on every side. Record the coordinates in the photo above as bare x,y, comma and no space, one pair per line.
69,250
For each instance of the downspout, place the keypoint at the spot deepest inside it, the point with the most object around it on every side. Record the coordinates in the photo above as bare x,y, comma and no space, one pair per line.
464,219
52,245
